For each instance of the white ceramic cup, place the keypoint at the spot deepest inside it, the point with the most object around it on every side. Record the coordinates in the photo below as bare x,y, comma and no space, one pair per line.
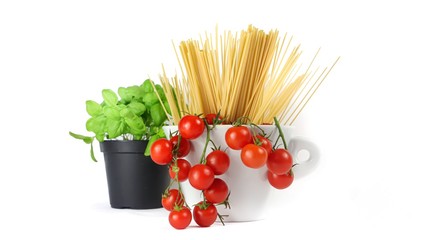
249,187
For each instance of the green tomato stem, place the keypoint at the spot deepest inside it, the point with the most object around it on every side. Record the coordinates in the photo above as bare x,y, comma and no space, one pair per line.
276,122
208,138
180,191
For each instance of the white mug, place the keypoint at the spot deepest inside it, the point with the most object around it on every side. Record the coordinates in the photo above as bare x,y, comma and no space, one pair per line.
249,187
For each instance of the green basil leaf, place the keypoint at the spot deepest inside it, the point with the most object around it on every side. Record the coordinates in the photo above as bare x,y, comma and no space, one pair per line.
96,124
126,113
111,113
157,114
137,107
93,108
77,136
146,86
92,154
153,130
85,139
109,97
150,99
121,107
124,95
168,108
136,124
135,92
100,137
114,128
160,91
137,137
161,133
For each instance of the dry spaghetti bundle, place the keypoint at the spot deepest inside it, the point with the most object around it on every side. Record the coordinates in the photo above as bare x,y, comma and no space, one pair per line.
252,73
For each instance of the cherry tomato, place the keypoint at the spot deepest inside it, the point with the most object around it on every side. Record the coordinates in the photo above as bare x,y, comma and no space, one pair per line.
191,127
183,169
265,143
219,161
238,137
280,181
217,192
184,146
180,218
279,161
161,151
172,199
211,117
254,156
201,176
205,214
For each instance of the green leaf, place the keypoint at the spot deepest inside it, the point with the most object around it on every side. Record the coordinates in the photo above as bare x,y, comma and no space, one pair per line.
161,93
135,92
168,108
153,130
111,113
137,107
109,97
121,106
157,114
126,113
93,108
146,86
88,140
137,137
150,99
150,142
136,124
92,154
114,128
161,133
124,95
96,124
85,139
100,137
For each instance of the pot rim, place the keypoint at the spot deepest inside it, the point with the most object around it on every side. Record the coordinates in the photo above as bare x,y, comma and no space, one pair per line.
123,146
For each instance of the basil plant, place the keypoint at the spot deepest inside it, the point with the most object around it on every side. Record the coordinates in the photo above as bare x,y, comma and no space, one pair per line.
138,115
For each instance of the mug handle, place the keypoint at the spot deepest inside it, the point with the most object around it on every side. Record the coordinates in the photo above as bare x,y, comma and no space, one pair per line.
303,167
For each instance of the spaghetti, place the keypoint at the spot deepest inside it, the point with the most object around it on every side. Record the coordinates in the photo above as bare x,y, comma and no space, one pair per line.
253,74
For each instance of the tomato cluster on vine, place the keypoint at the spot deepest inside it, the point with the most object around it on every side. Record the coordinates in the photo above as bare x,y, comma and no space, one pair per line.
201,176
256,151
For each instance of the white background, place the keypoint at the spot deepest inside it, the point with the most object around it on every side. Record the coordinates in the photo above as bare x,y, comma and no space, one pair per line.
368,117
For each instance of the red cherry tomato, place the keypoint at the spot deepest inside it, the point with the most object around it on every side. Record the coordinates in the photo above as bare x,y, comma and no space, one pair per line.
201,176
184,146
205,214
265,143
161,151
172,199
238,137
191,127
254,156
211,117
183,169
219,161
279,161
280,181
217,192
180,218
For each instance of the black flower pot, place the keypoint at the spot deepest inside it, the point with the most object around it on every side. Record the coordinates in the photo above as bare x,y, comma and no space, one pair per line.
134,180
